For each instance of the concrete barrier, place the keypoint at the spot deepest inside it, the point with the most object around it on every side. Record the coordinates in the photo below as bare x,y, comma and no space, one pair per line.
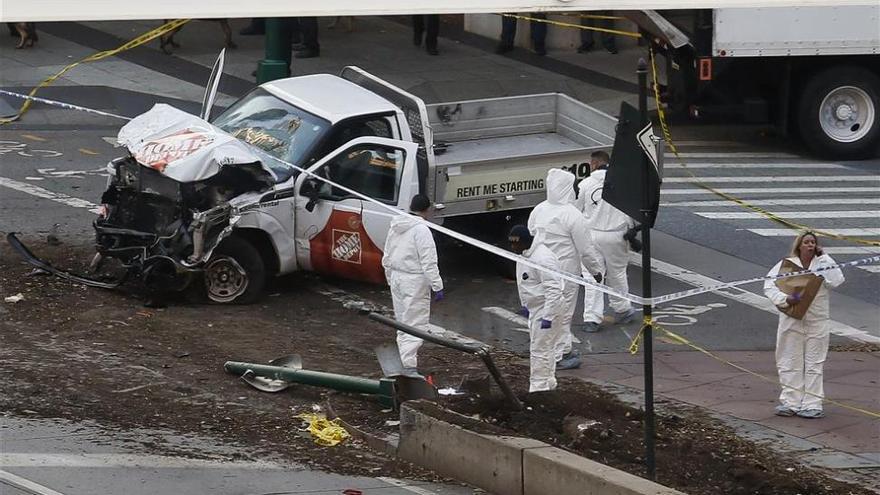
506,465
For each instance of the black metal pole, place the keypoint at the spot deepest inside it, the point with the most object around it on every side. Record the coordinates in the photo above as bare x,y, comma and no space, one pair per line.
647,335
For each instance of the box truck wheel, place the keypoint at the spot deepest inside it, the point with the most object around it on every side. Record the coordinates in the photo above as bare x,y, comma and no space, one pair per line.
235,273
837,113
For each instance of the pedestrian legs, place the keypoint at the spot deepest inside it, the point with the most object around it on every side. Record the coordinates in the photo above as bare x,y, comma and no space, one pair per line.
815,351
411,298
542,356
790,365
563,344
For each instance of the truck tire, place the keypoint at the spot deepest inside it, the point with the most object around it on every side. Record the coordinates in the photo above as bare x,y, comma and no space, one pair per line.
838,113
236,273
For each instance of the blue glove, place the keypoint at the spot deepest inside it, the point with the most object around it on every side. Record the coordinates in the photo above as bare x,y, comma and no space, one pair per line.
546,323
438,296
523,311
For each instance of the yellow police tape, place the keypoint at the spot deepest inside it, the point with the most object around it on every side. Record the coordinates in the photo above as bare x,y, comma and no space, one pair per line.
575,26
676,338
326,432
667,135
140,40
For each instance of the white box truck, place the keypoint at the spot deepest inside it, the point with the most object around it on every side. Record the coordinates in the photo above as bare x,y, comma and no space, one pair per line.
813,70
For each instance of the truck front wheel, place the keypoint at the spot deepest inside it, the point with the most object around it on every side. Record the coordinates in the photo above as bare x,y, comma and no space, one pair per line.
837,113
235,273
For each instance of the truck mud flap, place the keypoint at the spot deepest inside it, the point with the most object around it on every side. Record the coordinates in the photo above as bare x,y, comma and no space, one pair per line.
42,265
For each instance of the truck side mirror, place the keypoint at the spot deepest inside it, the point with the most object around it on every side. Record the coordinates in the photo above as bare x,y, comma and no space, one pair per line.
309,189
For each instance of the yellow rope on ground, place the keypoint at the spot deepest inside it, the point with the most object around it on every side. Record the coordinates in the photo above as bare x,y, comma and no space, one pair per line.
326,432
140,40
618,32
667,135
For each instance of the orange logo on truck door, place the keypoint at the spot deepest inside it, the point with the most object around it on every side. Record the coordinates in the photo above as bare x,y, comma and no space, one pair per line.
343,249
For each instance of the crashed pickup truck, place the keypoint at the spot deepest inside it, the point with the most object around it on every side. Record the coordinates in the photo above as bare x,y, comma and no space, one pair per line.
225,202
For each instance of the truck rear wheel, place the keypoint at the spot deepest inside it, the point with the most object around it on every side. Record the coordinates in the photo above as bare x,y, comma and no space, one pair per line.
235,273
837,113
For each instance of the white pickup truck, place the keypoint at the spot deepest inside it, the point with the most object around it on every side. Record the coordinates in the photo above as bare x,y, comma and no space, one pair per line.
226,202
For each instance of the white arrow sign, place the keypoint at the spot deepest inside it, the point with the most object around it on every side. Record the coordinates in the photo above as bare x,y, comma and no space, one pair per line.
648,143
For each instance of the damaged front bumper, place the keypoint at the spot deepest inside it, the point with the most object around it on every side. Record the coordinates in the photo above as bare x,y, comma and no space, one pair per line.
19,247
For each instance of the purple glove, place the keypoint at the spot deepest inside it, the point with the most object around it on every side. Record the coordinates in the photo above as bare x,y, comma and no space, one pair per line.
545,324
438,296
523,311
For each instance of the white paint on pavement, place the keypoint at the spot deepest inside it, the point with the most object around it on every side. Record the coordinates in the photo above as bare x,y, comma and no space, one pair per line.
761,166
734,155
771,190
403,485
776,178
519,323
749,215
794,233
780,202
125,460
47,194
743,296
857,250
26,484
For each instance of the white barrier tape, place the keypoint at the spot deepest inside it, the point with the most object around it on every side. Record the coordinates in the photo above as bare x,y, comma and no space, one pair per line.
513,257
62,105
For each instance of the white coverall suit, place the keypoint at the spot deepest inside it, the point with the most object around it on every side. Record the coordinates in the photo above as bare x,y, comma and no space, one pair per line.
541,293
410,262
607,227
801,345
564,230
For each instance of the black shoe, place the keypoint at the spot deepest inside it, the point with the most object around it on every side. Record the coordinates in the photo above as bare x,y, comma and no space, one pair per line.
432,51
612,49
254,73
585,47
417,39
252,31
503,48
307,53
540,50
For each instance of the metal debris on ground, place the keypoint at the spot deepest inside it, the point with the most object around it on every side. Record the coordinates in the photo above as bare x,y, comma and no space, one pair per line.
325,432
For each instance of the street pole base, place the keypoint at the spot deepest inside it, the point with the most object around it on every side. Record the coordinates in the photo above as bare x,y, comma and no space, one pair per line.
269,70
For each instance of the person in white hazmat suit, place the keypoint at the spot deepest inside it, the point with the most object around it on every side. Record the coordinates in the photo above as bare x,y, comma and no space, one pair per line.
802,345
540,293
608,225
564,230
410,262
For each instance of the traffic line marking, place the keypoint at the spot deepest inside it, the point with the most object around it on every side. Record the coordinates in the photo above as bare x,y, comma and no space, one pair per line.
761,166
26,484
748,215
406,486
33,137
116,460
858,250
735,155
47,194
771,190
518,323
780,202
840,232
777,178
86,151
743,296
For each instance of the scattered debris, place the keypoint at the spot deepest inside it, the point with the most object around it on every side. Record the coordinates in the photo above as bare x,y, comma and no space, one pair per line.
326,432
449,391
14,299
391,422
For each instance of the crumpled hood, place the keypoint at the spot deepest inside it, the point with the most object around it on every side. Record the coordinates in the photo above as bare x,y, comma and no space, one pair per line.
402,223
560,187
182,146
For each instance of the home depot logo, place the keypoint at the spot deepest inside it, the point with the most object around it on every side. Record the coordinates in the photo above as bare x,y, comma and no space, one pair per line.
160,152
346,246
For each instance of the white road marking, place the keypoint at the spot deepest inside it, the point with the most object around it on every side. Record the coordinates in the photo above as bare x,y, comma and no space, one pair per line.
26,484
743,296
772,190
746,215
406,486
794,233
734,155
870,268
760,166
519,323
781,202
776,178
126,460
851,250
47,194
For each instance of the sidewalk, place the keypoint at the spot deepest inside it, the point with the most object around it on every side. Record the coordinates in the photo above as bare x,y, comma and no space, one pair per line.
845,441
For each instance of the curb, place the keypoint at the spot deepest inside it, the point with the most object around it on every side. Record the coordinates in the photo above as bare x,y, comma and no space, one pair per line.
504,464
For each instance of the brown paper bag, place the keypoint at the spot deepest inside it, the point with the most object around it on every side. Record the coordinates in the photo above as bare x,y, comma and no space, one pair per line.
806,285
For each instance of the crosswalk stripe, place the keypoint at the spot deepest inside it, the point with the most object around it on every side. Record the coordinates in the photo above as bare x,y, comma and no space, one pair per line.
748,215
762,166
772,190
793,178
793,233
871,268
780,202
861,250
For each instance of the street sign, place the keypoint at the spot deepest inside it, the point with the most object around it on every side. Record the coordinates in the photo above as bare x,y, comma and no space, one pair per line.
648,142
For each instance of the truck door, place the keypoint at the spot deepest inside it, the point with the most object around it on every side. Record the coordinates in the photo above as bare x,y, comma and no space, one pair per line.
340,234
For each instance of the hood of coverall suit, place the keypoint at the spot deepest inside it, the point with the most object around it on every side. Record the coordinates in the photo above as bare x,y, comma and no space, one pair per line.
560,187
